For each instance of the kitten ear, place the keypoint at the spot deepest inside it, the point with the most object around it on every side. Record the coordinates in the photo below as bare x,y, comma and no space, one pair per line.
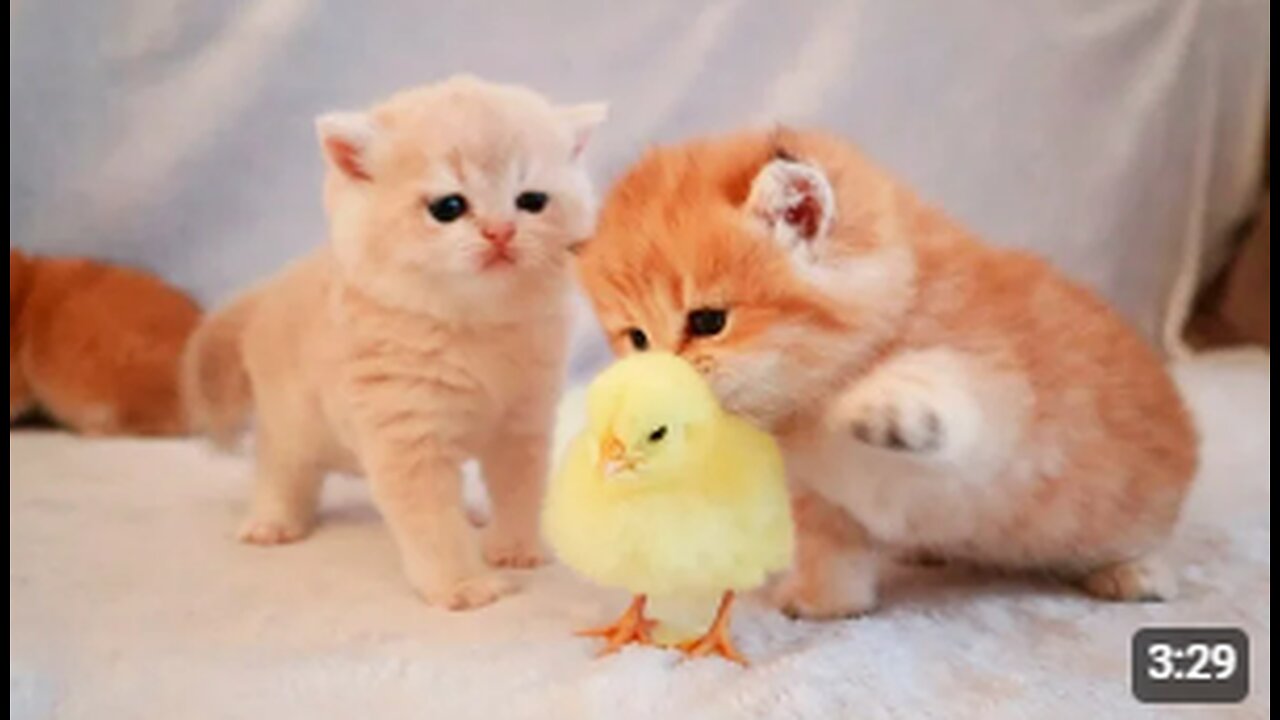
793,200
345,138
582,121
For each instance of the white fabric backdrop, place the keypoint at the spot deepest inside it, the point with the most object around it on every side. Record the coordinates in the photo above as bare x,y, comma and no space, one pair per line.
1120,139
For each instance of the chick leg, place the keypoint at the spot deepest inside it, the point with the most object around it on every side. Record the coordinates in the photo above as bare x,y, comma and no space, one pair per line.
717,639
632,627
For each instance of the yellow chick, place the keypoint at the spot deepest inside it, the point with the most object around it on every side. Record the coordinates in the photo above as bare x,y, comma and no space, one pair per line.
667,496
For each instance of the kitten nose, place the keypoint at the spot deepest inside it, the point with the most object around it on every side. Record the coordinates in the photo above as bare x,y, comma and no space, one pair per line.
498,233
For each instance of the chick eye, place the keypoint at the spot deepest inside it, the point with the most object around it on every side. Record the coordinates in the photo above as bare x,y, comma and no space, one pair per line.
706,322
639,340
658,434
448,208
531,201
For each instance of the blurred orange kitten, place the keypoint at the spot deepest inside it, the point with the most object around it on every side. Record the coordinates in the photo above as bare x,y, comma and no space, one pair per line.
431,329
96,345
932,393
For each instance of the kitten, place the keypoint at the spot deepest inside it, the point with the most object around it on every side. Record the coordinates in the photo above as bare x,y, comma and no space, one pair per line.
431,329
96,346
932,394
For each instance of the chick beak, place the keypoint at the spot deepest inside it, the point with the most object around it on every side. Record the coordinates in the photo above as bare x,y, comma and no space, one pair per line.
612,456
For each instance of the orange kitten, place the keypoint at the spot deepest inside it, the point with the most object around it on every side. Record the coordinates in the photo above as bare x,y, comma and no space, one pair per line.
431,329
944,395
96,346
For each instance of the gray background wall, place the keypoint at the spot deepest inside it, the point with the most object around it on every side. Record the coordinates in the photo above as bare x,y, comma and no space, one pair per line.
1120,139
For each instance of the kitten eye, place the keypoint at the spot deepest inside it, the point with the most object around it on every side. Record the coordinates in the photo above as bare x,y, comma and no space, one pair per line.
706,322
639,340
448,208
658,434
532,201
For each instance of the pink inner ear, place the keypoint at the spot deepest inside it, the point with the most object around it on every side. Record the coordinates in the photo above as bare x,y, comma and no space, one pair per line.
581,137
347,157
805,215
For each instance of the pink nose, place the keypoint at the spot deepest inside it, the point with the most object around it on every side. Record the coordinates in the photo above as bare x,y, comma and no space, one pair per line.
500,234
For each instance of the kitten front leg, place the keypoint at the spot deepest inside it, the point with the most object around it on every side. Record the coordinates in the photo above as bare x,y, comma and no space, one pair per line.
837,566
937,405
286,490
419,491
515,467
1143,579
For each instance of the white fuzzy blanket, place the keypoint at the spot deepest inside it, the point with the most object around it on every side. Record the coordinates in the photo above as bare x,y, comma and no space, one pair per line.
129,598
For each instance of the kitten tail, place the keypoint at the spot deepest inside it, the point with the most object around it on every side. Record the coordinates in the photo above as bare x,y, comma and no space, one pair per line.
215,385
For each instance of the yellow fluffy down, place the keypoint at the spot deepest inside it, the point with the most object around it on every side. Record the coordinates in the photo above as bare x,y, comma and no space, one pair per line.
724,525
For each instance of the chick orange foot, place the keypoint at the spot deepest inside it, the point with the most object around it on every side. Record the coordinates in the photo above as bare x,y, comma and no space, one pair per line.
632,627
716,640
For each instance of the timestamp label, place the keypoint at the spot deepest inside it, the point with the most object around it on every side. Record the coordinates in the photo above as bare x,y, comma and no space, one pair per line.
1190,665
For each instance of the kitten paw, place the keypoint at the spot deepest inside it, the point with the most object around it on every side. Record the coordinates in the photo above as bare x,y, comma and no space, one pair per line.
514,552
894,414
478,517
1144,580
799,596
271,531
469,593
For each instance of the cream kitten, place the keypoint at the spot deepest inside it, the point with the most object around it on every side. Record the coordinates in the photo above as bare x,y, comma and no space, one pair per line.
431,329
931,393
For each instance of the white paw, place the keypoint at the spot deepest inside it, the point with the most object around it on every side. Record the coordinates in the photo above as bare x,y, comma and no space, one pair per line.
478,517
894,412
803,596
257,530
1141,580
468,593
502,549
